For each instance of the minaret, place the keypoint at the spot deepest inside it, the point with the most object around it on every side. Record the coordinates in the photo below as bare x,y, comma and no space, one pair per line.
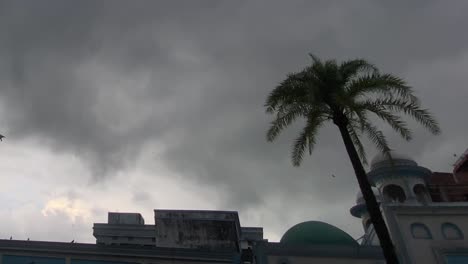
399,179
396,180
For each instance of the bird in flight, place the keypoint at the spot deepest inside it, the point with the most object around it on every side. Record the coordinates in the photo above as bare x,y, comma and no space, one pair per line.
2,137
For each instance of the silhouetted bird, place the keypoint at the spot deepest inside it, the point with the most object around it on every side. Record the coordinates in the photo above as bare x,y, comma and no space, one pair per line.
28,239
73,241
11,237
2,137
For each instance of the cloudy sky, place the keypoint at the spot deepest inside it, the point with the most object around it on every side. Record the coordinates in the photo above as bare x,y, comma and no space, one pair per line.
134,105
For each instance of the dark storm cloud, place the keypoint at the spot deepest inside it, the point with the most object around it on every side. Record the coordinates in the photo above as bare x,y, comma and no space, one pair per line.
102,78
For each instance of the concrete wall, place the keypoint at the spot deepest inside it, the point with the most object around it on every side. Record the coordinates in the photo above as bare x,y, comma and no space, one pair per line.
252,233
197,229
125,218
124,234
430,249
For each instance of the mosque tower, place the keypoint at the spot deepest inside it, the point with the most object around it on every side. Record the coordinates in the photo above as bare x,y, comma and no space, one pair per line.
395,179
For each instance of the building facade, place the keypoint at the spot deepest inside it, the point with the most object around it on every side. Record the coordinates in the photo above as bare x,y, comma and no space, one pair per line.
178,236
426,212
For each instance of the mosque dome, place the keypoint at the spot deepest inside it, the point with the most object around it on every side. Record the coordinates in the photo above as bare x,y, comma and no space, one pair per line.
317,233
382,160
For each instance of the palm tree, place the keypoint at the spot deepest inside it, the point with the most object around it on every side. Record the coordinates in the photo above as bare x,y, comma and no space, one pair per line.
347,94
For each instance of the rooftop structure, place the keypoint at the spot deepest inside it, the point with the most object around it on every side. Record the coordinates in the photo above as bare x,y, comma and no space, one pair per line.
426,212
124,229
197,229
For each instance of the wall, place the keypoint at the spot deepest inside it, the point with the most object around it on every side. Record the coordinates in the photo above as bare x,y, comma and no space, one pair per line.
124,234
125,218
434,249
197,229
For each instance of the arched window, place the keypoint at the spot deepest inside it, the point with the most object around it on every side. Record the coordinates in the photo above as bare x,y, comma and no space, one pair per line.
394,193
421,193
420,231
451,231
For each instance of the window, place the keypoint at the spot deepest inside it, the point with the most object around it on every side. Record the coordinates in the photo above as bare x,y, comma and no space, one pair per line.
451,231
394,193
420,231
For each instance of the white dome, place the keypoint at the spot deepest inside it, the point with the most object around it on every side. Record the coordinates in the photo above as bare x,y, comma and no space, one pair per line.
382,157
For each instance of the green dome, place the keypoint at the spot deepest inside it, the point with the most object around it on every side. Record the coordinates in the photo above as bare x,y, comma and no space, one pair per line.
317,233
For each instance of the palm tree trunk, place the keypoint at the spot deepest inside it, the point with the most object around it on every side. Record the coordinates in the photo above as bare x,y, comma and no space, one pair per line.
371,202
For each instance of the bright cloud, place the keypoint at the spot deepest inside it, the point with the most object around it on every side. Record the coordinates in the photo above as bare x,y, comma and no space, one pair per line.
71,208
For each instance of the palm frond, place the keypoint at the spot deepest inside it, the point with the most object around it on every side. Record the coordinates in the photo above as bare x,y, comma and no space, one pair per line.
315,59
300,144
284,118
287,92
411,108
394,121
306,138
385,84
352,68
302,87
376,136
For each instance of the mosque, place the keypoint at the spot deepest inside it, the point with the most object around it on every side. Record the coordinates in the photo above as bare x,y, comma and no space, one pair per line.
426,213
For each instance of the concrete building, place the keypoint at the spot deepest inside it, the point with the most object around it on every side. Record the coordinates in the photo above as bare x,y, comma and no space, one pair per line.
193,236
426,213
178,236
125,229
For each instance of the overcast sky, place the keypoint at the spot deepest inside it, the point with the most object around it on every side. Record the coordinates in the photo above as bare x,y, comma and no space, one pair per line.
132,106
